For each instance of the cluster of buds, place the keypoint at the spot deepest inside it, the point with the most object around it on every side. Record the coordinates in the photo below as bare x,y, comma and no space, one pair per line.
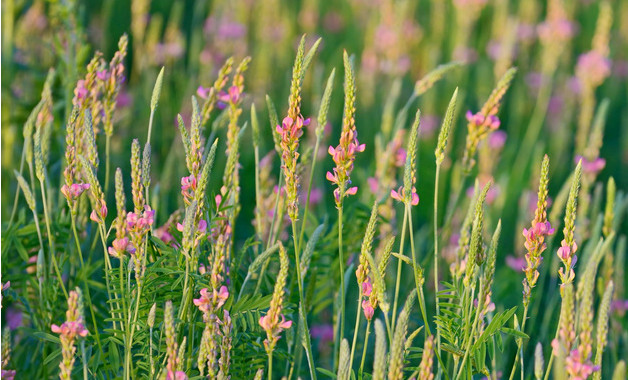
121,244
577,368
174,363
535,235
290,131
274,321
69,331
138,225
362,273
188,186
568,246
481,124
427,360
344,154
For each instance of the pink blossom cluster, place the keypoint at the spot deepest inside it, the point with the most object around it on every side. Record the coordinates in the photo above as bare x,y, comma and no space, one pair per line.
120,246
231,96
74,191
99,214
140,223
556,30
367,306
579,368
398,195
479,119
343,156
535,245
567,255
290,131
209,301
271,322
593,67
188,185
70,329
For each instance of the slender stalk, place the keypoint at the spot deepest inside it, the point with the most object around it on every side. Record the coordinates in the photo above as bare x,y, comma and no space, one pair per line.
341,266
150,352
519,346
366,344
470,336
436,257
355,331
258,200
308,348
84,360
87,293
270,235
270,365
399,263
417,281
51,243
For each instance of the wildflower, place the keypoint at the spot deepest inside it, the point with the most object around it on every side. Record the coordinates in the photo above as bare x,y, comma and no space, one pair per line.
120,247
210,301
577,368
568,247
535,235
98,215
344,154
369,311
271,322
290,131
398,195
233,96
203,92
69,331
74,190
593,68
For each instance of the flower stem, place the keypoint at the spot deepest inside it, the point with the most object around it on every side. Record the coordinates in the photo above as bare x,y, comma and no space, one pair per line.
366,344
436,257
519,346
399,263
50,239
341,265
355,331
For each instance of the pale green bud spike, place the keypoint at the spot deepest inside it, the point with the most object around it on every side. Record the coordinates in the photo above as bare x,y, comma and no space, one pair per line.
324,107
349,84
597,131
379,364
410,168
39,157
154,100
185,138
379,286
602,328
388,247
92,149
188,227
609,212
572,204
262,258
309,248
492,255
30,200
308,57
397,349
539,362
344,365
146,166
430,79
196,118
494,100
207,168
476,251
255,125
443,136
620,371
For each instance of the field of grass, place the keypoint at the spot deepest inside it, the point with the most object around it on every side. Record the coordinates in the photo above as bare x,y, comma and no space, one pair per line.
352,189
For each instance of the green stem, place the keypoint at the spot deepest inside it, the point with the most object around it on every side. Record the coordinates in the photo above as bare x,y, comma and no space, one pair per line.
341,266
519,346
270,365
469,338
415,266
399,263
107,162
85,284
366,344
50,239
17,190
355,331
436,257
306,331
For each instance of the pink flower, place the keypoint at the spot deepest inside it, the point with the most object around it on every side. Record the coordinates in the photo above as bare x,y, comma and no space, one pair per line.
142,222
516,263
231,97
120,247
368,309
398,195
491,122
367,288
497,139
70,329
591,167
593,67
99,215
74,190
203,301
188,185
577,367
203,92
178,375
7,374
